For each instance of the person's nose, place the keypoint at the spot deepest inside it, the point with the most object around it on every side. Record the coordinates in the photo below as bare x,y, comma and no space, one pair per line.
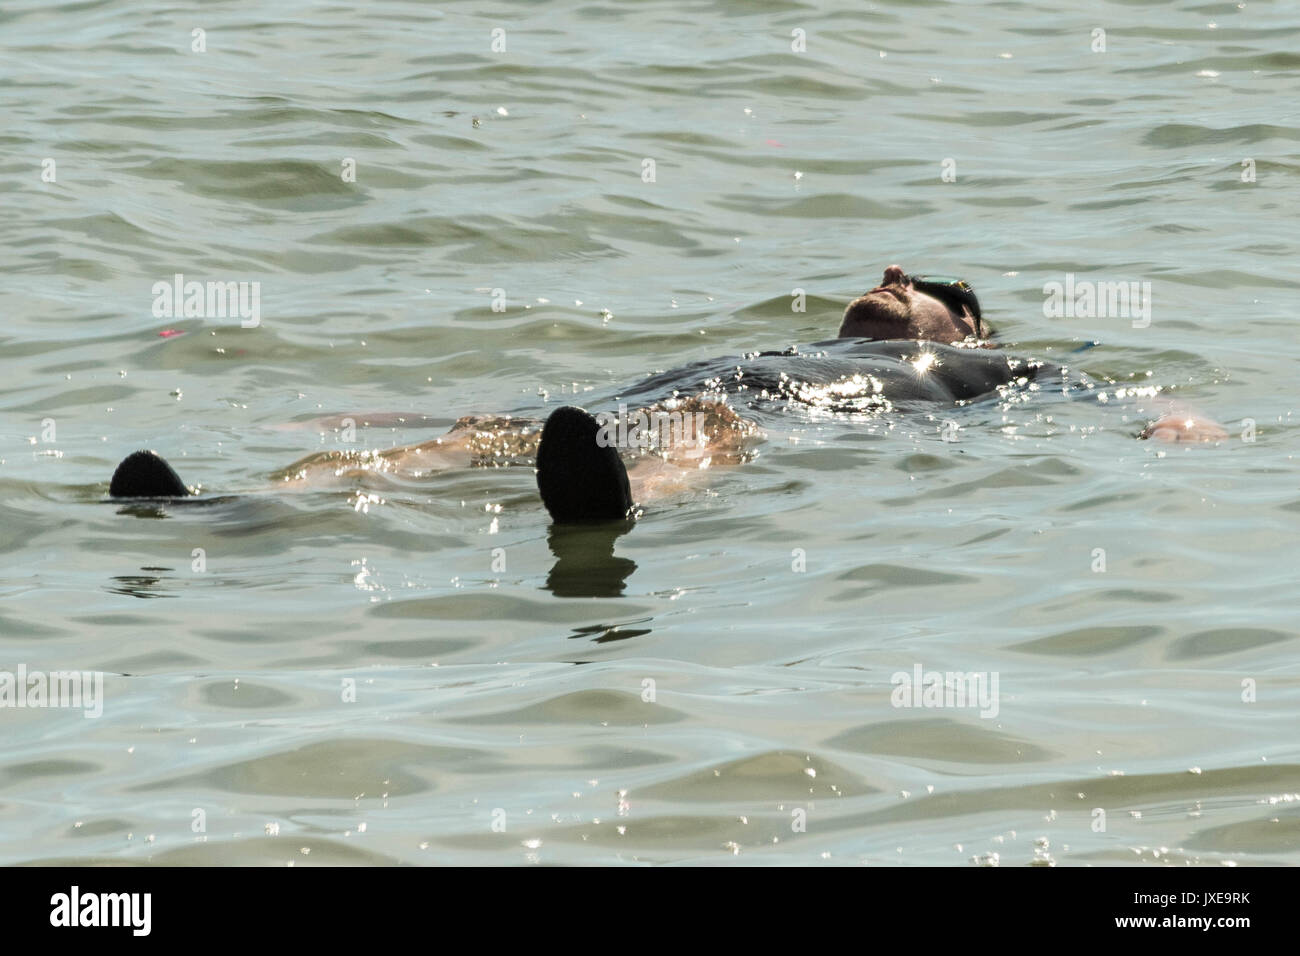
894,275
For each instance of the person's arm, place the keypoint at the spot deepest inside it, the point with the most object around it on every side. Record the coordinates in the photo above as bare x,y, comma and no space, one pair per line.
1174,423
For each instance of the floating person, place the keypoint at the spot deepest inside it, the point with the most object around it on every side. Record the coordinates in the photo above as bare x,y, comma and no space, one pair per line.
913,343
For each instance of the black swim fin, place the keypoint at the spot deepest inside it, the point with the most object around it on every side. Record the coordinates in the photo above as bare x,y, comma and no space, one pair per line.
144,474
580,479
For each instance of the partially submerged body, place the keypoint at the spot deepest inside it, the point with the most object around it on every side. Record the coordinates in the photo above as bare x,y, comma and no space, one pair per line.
905,345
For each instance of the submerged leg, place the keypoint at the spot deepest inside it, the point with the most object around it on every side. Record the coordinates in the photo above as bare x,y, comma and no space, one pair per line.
580,474
474,441
144,474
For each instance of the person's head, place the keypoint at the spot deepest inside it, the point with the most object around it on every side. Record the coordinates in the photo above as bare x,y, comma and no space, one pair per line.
908,307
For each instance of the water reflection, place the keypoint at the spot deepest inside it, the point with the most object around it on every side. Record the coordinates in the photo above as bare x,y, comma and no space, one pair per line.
144,509
586,565
160,507
143,586
604,633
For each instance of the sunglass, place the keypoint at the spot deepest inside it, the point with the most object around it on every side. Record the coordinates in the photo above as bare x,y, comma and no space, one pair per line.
953,293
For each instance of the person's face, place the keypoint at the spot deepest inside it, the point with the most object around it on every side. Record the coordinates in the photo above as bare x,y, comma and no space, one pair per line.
895,310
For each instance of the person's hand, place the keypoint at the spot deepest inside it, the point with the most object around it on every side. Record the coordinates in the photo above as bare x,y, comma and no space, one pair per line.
1185,426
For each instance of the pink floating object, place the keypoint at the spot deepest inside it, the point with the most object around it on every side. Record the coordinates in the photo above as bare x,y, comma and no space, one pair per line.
168,333
772,142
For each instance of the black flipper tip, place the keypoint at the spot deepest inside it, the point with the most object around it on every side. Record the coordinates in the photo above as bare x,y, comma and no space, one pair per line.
580,478
144,474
